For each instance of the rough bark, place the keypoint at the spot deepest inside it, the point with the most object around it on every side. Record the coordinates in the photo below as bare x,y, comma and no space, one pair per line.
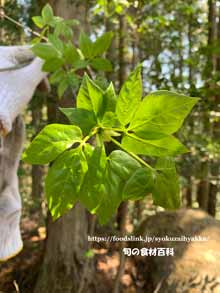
211,67
64,255
64,259
37,171
121,50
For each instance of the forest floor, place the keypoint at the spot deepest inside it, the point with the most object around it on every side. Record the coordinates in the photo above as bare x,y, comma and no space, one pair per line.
20,273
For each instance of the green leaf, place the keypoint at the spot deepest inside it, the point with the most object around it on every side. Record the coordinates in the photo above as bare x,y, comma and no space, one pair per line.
52,64
51,142
59,28
96,95
110,120
67,32
110,98
166,146
80,64
80,117
85,45
56,42
45,51
93,184
166,191
57,76
62,87
120,167
83,100
102,44
101,64
129,97
139,185
71,54
161,111
47,13
63,181
38,21
90,96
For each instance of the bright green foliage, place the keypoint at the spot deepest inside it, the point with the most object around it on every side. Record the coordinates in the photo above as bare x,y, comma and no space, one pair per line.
61,57
139,184
63,181
166,189
84,172
119,168
85,119
162,112
51,142
129,97
166,146
93,185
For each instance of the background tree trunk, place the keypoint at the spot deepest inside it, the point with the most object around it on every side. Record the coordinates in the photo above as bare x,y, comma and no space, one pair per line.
64,259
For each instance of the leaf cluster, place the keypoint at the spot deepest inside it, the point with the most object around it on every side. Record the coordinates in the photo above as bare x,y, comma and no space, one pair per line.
64,60
81,169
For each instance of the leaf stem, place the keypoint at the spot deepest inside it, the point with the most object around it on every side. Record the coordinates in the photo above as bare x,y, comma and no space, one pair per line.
86,138
113,129
132,154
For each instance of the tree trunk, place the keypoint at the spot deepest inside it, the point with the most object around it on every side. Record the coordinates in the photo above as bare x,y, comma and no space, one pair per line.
121,50
64,260
211,68
64,255
37,171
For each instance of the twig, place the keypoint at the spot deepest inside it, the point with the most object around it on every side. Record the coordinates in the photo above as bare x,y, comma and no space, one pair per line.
3,15
159,285
16,286
132,154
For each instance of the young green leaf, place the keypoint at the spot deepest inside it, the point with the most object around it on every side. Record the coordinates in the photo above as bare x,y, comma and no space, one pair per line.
96,96
120,167
56,42
166,146
161,111
108,116
139,184
83,100
57,76
80,117
93,185
45,51
129,97
85,45
47,13
71,54
110,98
101,64
63,181
62,87
51,142
52,64
110,120
38,21
102,44
90,96
166,191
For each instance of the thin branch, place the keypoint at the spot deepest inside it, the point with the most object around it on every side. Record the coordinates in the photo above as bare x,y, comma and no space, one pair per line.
3,15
